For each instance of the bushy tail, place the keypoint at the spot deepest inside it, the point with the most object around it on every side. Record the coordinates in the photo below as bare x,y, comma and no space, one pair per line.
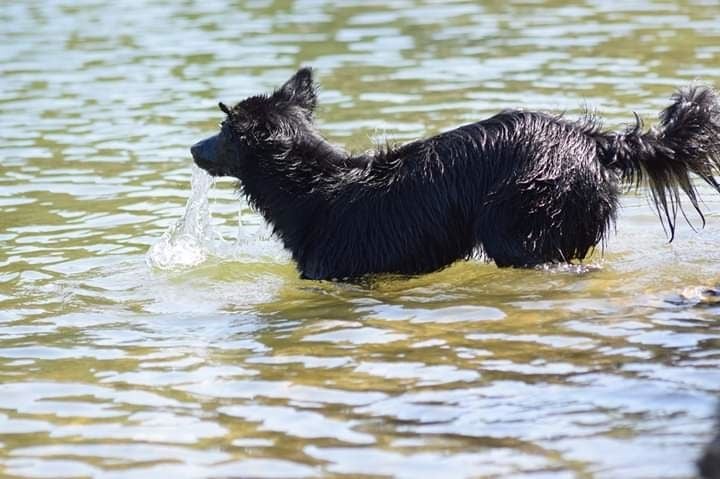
687,140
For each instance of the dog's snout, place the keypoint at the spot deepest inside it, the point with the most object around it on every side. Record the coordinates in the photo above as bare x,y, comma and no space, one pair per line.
205,154
205,151
201,149
195,149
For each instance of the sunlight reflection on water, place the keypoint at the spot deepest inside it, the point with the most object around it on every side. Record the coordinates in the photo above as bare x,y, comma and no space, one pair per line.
234,366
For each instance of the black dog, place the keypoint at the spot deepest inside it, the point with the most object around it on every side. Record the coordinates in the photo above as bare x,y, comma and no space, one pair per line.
524,187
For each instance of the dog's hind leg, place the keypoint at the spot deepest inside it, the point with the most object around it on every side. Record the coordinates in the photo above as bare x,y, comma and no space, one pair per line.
546,224
507,250
505,235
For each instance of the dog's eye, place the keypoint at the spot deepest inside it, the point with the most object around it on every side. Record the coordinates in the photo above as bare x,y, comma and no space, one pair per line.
229,132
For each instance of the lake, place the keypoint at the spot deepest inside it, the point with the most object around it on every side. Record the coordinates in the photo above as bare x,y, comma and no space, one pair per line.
236,367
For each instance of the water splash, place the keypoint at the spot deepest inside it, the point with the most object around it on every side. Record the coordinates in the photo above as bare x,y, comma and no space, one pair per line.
189,241
571,268
193,239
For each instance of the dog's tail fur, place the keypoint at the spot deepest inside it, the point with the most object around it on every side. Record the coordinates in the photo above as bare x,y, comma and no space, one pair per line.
687,140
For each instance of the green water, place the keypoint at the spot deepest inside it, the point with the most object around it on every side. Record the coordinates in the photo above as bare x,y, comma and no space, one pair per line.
238,368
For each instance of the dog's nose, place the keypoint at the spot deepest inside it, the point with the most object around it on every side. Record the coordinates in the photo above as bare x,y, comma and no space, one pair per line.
206,150
196,150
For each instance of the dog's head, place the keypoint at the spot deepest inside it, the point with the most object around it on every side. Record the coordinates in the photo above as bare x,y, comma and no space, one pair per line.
259,126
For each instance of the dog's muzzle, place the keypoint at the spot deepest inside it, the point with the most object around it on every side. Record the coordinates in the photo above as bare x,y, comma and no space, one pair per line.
205,154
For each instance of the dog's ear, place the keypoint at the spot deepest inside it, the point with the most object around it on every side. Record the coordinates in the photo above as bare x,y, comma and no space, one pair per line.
300,90
224,108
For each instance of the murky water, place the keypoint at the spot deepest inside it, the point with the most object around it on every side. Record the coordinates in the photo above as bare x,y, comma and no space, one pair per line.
110,368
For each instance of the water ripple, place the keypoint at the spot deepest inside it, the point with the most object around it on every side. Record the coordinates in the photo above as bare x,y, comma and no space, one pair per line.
235,367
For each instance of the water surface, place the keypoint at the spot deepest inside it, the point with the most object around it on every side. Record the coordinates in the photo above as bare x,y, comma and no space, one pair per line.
109,368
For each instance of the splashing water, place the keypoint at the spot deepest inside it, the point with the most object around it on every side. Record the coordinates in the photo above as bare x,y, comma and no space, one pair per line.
188,242
192,240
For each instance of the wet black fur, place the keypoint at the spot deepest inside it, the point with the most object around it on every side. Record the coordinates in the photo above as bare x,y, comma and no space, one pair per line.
524,187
